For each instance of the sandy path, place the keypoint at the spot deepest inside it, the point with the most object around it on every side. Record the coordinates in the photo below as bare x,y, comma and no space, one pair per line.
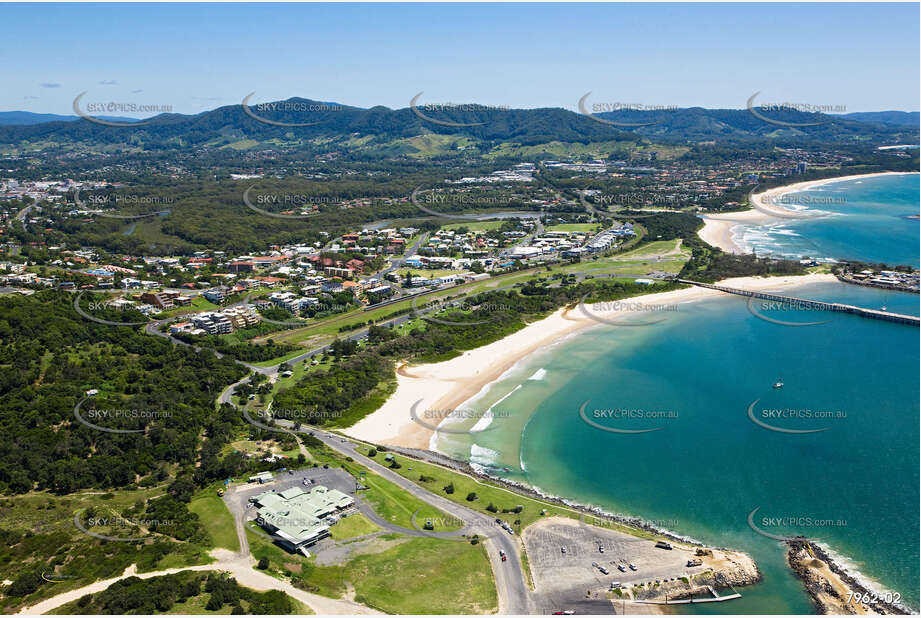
239,566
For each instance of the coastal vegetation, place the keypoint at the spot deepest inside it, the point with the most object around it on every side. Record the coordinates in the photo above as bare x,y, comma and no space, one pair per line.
43,553
162,394
182,593
334,393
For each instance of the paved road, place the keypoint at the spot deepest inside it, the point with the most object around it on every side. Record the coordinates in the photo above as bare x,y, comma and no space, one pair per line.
511,587
22,213
397,263
514,597
21,216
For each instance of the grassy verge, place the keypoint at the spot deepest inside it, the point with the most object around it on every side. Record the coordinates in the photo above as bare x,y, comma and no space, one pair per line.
397,506
526,568
215,517
437,478
487,493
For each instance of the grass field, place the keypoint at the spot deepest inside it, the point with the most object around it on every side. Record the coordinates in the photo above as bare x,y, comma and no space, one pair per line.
656,247
426,576
199,303
215,517
395,574
574,227
427,273
353,526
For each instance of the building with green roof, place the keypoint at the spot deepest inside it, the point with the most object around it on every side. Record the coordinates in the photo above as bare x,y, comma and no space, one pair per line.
300,518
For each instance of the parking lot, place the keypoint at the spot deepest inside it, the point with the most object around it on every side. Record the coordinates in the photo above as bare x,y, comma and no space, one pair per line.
333,478
555,572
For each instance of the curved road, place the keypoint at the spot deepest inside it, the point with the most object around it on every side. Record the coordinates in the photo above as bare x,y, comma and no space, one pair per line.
514,597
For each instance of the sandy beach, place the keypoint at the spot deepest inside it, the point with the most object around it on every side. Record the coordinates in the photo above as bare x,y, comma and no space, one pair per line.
447,385
717,230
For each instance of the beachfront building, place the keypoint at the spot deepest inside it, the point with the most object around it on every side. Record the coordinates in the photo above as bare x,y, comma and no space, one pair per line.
300,518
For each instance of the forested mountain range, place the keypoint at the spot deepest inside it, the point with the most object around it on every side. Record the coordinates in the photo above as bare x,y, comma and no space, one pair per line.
233,124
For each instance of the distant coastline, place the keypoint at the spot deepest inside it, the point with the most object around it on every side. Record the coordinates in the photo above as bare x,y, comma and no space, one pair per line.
717,230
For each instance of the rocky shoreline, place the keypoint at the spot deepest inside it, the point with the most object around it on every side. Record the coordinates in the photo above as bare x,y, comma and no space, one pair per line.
882,286
526,490
831,588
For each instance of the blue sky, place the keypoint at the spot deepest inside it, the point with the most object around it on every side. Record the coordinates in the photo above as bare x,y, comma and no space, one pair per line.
195,57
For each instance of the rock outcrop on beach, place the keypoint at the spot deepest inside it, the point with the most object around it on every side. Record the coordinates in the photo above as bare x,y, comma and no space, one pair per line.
832,590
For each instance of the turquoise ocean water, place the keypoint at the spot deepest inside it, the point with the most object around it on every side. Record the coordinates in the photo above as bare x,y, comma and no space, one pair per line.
852,486
866,219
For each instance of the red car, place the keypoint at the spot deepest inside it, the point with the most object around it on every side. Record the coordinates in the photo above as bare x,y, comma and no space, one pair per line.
502,555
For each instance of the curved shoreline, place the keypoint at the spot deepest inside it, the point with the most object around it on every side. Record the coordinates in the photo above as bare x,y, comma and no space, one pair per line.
445,382
717,230
448,385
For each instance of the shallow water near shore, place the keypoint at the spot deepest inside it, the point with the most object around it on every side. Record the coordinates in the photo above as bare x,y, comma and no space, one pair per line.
706,464
868,220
